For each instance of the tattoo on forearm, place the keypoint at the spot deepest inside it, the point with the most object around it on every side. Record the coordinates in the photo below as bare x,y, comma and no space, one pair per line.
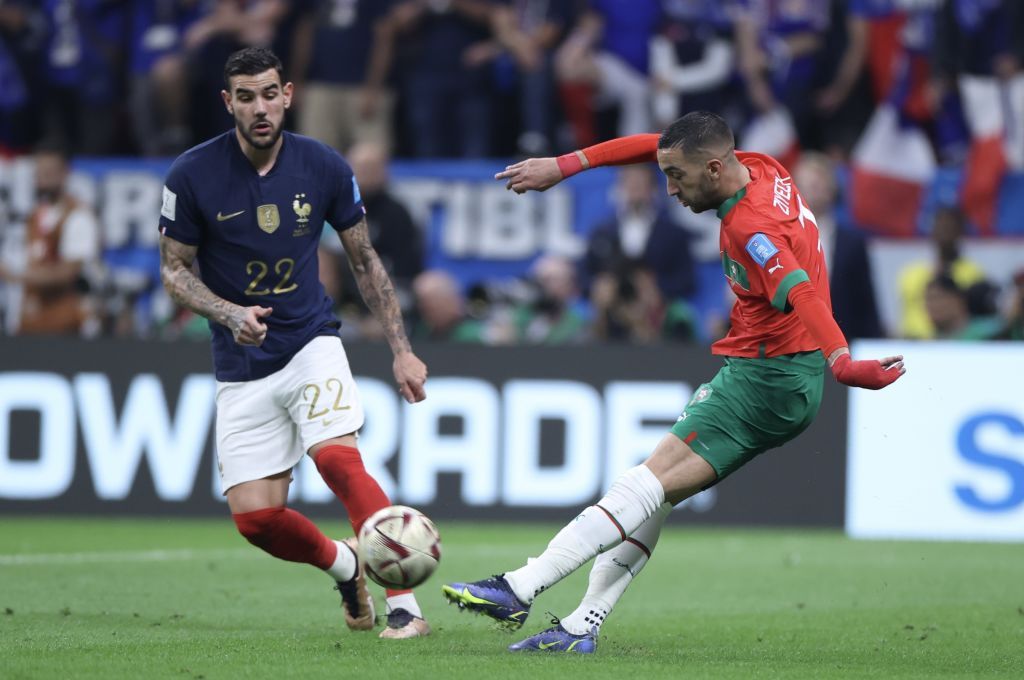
375,285
184,286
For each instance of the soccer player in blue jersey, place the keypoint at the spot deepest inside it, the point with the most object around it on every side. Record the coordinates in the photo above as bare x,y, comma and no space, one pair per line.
248,207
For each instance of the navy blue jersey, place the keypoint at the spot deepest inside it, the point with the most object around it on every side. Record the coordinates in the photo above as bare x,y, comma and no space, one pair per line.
257,239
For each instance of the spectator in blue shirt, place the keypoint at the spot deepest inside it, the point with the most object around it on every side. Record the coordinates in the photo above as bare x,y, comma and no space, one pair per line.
342,56
445,68
84,54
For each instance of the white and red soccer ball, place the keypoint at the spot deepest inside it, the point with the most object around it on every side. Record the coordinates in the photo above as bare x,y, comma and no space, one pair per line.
399,547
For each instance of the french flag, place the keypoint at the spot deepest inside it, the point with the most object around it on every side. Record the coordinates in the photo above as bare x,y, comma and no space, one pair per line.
892,166
773,133
995,144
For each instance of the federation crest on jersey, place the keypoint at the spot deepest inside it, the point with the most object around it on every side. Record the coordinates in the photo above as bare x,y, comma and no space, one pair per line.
301,209
760,248
268,217
701,394
735,271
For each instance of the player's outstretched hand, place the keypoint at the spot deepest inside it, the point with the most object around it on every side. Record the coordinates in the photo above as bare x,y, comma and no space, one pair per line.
411,375
537,174
872,374
247,327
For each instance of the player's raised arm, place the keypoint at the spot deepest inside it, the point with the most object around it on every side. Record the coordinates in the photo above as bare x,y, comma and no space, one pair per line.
377,290
872,374
540,174
187,290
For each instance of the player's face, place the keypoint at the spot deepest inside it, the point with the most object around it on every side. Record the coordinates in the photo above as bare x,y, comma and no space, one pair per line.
258,103
689,182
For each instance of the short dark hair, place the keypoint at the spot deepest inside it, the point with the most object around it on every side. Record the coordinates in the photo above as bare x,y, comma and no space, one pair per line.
695,131
249,62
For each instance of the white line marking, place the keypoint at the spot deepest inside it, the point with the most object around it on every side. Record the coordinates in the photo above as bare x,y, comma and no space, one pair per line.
184,555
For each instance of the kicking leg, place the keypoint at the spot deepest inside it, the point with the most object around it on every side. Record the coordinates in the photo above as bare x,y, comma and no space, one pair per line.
341,467
673,469
611,574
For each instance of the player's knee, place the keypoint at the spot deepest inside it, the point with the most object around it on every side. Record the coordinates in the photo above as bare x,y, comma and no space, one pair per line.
258,526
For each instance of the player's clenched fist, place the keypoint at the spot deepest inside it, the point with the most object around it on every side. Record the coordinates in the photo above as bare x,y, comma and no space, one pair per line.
247,327
535,174
410,374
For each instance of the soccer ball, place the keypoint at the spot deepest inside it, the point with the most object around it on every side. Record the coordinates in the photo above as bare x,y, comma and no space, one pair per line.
399,547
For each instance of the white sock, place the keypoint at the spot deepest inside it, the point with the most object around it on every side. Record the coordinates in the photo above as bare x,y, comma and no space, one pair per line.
406,601
344,567
612,573
634,497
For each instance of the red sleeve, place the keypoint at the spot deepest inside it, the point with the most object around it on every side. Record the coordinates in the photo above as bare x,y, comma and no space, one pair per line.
818,321
624,151
769,256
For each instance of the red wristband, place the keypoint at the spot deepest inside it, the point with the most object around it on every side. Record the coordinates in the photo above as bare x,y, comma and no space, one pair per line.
569,164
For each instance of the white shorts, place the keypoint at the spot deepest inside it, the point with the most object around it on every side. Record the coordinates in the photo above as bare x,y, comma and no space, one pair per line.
265,426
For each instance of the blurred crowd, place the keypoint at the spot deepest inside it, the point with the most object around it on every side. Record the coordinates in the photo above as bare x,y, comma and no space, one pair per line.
130,77
436,79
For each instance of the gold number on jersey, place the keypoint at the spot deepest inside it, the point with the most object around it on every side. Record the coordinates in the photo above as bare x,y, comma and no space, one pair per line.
286,264
313,412
259,269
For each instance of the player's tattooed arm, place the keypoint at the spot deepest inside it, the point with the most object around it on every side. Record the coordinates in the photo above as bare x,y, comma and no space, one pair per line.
375,284
186,289
379,294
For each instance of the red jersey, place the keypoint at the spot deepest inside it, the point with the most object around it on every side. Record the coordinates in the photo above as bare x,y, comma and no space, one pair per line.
769,243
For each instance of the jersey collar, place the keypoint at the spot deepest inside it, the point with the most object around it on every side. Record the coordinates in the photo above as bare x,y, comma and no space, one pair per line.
730,202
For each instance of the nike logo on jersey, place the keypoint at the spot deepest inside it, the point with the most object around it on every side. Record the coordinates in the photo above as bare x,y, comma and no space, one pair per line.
221,218
778,265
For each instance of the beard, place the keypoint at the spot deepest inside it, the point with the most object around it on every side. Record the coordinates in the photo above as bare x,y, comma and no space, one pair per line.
266,143
704,201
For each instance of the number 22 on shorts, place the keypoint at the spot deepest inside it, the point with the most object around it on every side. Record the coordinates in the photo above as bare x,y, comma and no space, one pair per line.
332,387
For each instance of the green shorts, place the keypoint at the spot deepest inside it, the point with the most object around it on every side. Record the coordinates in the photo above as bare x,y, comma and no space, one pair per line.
750,406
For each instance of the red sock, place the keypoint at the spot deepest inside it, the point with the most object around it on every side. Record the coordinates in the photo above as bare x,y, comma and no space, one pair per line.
287,535
576,103
343,470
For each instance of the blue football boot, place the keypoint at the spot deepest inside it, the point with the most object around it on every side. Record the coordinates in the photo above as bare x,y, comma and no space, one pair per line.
558,639
492,597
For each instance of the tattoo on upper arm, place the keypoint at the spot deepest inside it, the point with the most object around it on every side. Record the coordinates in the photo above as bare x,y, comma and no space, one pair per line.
185,287
375,284
175,253
358,247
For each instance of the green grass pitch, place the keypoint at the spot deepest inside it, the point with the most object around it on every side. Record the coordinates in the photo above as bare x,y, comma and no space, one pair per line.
190,599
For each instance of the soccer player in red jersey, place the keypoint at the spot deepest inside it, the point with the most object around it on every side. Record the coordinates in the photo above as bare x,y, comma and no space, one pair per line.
782,336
